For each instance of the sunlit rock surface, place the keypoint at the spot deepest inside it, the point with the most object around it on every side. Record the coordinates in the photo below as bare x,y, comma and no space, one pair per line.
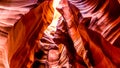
95,50
105,17
26,42
10,12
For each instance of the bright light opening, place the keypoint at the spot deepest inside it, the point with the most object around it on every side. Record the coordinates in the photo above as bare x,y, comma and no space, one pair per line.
52,26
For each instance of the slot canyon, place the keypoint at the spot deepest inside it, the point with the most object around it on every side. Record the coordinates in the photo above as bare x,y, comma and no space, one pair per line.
59,33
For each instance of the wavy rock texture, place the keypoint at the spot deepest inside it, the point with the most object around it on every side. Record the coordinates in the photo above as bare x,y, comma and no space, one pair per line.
87,35
24,36
105,17
90,45
10,12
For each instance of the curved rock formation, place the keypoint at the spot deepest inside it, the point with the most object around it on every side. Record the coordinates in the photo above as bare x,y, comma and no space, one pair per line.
24,36
87,35
105,17
91,46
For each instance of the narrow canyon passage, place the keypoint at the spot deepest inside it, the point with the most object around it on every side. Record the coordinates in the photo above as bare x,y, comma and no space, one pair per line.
59,33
